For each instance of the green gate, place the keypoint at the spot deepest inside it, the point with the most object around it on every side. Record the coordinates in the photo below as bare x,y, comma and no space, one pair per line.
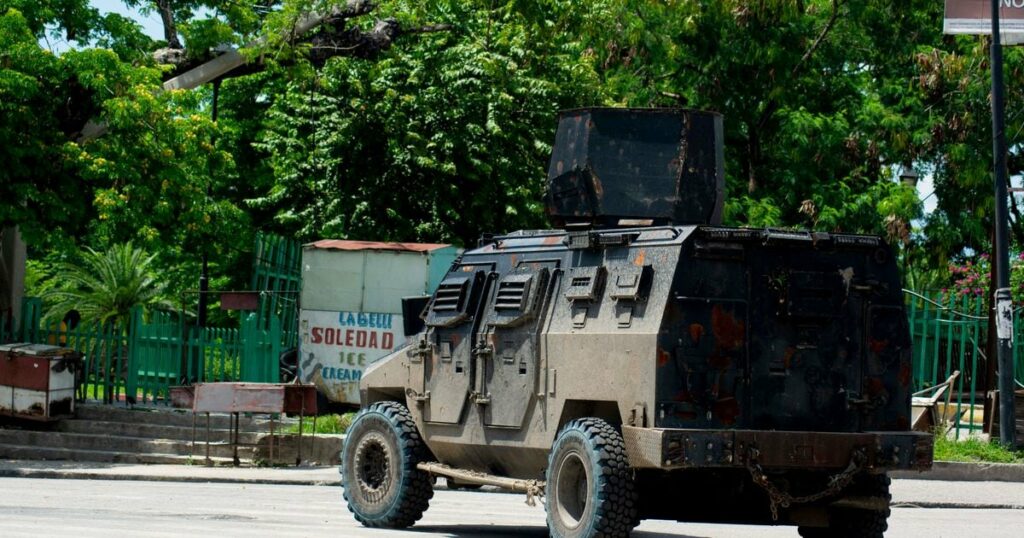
166,351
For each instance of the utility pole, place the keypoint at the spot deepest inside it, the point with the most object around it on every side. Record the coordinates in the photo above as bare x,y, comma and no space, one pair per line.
1003,302
204,276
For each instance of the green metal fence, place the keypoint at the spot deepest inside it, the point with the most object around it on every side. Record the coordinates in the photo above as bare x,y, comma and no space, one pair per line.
104,347
949,335
139,362
277,274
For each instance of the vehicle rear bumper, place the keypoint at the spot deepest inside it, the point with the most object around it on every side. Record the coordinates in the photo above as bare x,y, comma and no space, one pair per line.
661,448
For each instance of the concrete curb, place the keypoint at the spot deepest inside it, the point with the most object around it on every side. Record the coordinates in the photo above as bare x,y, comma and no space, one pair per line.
967,472
956,506
93,475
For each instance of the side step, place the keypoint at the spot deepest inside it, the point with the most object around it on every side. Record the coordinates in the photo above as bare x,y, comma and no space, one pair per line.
532,488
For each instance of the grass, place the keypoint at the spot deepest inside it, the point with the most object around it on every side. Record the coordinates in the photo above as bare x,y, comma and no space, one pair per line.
975,450
334,424
97,391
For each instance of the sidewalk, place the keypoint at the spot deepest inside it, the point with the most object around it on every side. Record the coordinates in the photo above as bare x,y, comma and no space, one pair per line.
305,476
905,492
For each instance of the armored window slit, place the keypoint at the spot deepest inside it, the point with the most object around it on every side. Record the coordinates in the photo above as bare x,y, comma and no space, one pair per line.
449,297
518,297
631,283
584,283
449,305
513,291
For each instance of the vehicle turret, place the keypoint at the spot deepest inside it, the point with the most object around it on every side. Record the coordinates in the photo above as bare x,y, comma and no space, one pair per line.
613,167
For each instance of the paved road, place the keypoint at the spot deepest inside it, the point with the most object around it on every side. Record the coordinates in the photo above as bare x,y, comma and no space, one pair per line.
100,508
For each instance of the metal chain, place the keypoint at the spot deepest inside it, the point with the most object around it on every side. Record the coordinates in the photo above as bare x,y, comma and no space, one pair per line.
777,497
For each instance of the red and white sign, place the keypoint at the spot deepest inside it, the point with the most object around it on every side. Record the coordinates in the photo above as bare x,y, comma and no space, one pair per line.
975,17
337,347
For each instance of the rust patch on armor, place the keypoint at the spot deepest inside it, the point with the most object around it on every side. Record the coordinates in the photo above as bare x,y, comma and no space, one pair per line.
728,331
663,357
878,346
696,332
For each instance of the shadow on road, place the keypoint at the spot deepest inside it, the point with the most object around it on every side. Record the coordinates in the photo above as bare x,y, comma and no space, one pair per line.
517,531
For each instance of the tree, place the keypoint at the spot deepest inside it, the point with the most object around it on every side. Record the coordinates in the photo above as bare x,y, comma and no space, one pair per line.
105,286
813,132
442,139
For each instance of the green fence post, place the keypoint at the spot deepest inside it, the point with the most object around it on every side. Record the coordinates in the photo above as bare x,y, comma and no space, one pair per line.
249,348
31,314
135,352
271,364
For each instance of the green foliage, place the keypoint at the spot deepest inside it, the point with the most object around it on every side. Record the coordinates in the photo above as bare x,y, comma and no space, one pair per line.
446,135
442,139
105,286
157,178
813,132
974,450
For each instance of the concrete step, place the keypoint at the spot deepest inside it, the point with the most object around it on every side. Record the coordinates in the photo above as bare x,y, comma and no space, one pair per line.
22,452
143,434
171,417
113,443
153,431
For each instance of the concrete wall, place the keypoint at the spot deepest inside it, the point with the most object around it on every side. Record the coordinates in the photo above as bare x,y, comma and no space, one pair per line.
321,449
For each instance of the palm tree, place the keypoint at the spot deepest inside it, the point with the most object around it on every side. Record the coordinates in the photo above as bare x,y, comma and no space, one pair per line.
104,286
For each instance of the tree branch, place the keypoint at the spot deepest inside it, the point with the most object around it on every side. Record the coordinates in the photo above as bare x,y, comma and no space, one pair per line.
335,40
821,37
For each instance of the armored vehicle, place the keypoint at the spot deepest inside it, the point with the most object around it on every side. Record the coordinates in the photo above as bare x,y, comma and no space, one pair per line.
643,361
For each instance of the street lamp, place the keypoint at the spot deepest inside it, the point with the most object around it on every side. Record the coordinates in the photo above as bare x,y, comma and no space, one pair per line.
909,177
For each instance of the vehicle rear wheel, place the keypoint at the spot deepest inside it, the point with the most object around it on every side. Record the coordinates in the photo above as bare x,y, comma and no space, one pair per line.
590,490
855,522
382,486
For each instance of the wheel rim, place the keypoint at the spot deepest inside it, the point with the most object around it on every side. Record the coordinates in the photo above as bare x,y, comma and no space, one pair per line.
373,467
571,490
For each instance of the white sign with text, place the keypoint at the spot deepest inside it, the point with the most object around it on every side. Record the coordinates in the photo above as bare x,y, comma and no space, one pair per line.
336,347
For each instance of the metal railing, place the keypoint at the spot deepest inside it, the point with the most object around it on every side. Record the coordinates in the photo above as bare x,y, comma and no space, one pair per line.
950,333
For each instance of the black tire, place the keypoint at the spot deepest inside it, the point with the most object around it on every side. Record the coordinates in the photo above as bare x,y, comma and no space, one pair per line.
590,490
381,484
857,523
288,365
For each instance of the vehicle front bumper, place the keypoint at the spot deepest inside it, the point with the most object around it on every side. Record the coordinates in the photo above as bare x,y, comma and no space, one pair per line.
662,448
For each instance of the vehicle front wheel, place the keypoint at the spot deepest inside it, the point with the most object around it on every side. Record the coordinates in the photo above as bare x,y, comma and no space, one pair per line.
590,490
381,483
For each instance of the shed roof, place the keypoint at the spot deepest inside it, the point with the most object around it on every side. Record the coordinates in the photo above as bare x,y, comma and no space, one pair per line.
341,244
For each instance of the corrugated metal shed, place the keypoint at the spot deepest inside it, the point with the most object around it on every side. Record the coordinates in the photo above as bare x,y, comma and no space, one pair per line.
341,244
367,276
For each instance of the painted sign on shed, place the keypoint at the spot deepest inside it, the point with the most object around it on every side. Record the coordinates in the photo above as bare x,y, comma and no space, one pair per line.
351,306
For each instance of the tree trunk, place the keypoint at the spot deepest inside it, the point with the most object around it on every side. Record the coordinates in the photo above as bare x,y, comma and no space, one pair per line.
753,158
170,29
